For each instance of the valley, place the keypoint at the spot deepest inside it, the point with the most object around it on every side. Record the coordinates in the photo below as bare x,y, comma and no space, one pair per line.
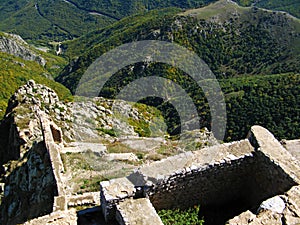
79,155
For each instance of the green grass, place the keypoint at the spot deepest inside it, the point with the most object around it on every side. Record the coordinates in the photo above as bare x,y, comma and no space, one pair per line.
222,9
16,72
289,6
179,217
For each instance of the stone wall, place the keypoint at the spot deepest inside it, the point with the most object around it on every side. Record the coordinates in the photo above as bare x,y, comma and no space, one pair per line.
30,183
225,180
30,154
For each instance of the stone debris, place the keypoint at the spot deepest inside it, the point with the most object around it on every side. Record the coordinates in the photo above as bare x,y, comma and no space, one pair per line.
90,198
258,171
275,204
80,147
188,179
130,157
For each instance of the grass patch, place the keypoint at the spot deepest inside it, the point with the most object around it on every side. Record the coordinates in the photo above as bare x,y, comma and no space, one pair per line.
110,132
179,217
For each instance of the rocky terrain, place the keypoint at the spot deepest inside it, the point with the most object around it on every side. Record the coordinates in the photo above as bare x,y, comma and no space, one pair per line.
75,160
15,45
92,142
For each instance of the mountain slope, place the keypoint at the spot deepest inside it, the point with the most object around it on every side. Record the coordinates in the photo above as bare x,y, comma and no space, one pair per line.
57,20
290,6
234,41
20,62
47,20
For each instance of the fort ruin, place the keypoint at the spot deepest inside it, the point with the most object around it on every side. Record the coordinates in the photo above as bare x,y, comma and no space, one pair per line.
226,180
229,181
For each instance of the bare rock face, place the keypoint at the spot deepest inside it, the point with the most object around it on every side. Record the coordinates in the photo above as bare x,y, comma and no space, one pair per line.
30,187
15,45
21,125
28,164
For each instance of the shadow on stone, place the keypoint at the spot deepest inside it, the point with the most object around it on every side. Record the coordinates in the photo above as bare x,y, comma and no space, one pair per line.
92,216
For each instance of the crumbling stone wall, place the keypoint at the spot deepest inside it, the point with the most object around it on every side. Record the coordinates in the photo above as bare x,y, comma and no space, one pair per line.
225,180
29,188
31,164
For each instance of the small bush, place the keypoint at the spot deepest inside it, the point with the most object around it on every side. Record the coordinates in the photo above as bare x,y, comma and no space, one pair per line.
178,217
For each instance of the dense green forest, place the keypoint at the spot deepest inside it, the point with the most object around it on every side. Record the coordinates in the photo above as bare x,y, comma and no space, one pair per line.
255,42
254,53
41,21
243,49
290,6
272,101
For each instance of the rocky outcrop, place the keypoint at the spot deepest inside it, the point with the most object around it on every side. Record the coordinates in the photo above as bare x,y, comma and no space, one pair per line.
256,179
15,45
100,117
21,125
30,153
30,182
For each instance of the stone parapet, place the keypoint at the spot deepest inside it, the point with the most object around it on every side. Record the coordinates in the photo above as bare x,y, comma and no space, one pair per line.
226,180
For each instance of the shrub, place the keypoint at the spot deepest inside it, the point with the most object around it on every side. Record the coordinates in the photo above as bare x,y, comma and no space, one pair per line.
178,217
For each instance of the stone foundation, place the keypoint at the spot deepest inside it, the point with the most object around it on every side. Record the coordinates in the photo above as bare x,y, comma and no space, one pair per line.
225,180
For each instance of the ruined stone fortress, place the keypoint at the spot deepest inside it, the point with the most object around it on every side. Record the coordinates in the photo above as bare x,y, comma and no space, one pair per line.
229,181
251,181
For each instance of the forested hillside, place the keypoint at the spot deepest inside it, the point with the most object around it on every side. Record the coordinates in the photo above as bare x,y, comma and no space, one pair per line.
16,72
20,62
290,6
42,21
235,42
57,20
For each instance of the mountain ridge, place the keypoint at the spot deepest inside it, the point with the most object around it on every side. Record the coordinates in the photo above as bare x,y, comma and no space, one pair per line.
237,43
60,20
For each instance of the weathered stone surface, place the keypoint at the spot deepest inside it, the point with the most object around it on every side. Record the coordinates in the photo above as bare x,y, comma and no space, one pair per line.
78,147
131,157
293,146
275,204
136,212
96,114
188,161
31,183
111,192
21,125
233,177
267,143
90,198
33,175
283,209
56,218
245,173
244,218
15,45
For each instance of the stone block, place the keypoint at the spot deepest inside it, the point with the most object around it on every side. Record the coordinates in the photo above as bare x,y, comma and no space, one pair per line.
137,212
112,192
